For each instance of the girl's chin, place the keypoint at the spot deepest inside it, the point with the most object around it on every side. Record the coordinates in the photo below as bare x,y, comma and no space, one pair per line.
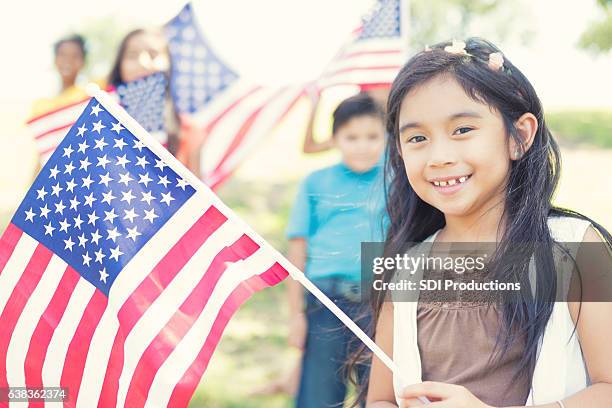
451,209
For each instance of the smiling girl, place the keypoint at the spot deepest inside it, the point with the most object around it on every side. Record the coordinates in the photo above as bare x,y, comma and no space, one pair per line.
472,160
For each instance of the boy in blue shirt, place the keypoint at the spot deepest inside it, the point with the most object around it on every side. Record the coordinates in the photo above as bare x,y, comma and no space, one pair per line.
336,209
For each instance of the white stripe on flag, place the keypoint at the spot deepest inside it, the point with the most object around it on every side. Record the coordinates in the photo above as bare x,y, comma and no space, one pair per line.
28,320
188,348
164,307
225,131
161,136
64,332
366,60
56,119
152,252
222,101
367,76
375,44
127,281
263,127
51,140
45,157
15,267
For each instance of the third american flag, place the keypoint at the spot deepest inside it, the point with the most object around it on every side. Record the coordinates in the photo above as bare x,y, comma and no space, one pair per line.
120,270
234,115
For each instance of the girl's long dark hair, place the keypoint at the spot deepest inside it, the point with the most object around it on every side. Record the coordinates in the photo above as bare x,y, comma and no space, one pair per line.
532,181
114,78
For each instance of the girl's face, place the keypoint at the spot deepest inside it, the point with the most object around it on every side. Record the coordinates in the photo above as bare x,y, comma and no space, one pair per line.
145,53
455,150
69,60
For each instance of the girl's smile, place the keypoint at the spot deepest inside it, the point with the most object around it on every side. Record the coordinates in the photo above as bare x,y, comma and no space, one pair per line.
449,185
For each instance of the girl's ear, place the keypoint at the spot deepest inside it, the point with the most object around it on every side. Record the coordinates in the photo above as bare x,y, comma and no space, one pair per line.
526,127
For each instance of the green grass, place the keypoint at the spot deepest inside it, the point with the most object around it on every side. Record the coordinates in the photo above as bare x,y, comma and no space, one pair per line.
590,128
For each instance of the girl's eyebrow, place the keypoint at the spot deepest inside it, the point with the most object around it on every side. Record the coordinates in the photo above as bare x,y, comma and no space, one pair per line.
466,114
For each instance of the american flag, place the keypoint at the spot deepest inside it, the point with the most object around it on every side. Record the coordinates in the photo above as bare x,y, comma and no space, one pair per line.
232,115
143,99
120,270
376,50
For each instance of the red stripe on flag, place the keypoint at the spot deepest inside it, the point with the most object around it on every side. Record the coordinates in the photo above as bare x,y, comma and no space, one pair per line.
18,299
110,386
46,132
8,242
149,289
196,138
374,86
43,333
61,108
179,324
363,85
229,108
244,129
184,389
74,365
218,176
163,273
49,150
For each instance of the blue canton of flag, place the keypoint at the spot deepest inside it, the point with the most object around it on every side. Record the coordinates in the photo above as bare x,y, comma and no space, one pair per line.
198,74
383,21
101,196
144,100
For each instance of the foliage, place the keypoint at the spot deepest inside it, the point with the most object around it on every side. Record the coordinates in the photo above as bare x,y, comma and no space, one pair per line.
598,37
102,35
433,21
593,128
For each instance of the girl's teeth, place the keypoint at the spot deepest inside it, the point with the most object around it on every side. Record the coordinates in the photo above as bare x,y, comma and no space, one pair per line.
451,182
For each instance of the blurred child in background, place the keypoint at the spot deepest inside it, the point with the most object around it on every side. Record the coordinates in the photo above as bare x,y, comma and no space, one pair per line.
69,59
336,209
143,52
378,92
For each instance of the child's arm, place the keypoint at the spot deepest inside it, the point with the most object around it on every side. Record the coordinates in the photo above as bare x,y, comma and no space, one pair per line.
594,331
380,388
297,319
310,145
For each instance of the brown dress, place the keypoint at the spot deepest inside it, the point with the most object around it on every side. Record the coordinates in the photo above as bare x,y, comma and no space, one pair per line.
456,339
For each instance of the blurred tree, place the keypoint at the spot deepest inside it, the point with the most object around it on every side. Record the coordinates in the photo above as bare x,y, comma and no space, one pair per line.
598,37
500,21
102,35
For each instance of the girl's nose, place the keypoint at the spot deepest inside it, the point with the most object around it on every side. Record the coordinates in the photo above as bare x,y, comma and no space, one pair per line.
442,153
